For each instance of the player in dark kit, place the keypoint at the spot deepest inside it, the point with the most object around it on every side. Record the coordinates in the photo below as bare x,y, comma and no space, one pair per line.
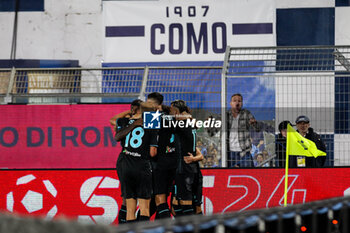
185,174
197,182
140,145
156,99
120,121
164,166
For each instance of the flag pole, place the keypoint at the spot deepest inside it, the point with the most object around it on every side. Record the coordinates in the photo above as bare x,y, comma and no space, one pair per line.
286,172
286,182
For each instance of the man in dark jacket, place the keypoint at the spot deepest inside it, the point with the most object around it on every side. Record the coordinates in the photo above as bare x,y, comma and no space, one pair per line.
281,144
304,129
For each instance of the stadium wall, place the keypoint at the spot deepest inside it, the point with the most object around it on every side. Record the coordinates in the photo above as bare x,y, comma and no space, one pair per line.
77,30
93,195
45,136
54,30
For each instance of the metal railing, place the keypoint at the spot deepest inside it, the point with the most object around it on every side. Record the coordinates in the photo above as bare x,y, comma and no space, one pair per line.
189,83
277,83
327,216
285,82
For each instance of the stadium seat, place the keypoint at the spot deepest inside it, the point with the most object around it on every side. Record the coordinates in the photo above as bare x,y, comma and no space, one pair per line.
271,223
248,224
187,228
288,222
154,230
322,221
208,227
306,223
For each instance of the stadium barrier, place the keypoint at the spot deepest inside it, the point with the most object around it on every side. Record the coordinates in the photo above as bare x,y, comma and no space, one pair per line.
327,216
16,224
281,83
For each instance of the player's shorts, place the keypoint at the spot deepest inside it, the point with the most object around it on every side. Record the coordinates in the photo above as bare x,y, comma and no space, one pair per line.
137,176
119,168
184,186
163,180
197,189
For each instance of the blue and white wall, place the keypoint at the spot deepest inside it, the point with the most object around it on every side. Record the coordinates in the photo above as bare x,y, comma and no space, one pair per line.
92,30
54,30
324,98
184,31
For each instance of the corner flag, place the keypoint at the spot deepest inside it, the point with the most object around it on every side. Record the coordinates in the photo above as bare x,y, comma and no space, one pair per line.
297,145
300,146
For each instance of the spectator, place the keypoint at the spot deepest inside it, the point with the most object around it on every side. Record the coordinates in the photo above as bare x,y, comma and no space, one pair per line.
239,122
210,147
210,161
281,144
304,129
261,145
266,156
215,154
259,161
254,151
256,159
202,147
256,148
202,163
258,136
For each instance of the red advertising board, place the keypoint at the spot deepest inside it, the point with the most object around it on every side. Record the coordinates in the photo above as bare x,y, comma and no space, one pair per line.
58,136
94,195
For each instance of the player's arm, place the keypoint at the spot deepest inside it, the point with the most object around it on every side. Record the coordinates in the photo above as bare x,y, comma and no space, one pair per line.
120,134
184,116
253,122
190,158
124,114
154,143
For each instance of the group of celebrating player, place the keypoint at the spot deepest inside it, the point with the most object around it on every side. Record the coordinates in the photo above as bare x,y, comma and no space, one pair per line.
154,163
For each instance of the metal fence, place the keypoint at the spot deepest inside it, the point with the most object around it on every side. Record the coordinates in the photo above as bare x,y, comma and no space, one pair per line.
277,83
69,85
330,215
281,83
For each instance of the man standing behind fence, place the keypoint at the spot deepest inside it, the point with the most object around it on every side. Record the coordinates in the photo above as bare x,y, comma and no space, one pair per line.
281,144
304,129
238,124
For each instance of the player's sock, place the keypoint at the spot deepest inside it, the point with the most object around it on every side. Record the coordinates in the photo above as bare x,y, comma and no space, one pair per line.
122,215
143,218
163,211
138,214
152,207
131,221
187,210
177,210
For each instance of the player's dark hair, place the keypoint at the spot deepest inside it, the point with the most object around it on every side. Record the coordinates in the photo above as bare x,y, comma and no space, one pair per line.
166,109
136,103
283,125
181,105
156,96
237,94
147,107
135,106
